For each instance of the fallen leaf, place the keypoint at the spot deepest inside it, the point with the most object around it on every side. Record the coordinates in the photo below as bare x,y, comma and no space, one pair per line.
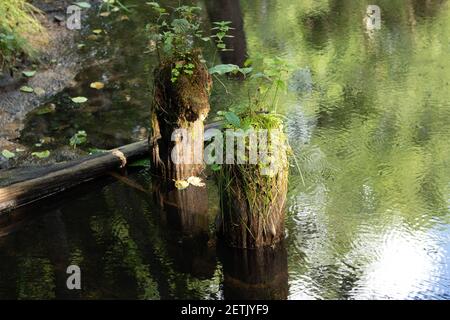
47,109
84,5
124,18
181,184
28,73
196,181
8,154
97,31
42,154
105,14
79,99
39,91
97,85
26,89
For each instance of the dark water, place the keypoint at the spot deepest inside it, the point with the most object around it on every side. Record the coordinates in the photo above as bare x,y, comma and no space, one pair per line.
367,115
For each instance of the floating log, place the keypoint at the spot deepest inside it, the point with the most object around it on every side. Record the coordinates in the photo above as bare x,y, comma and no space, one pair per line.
36,183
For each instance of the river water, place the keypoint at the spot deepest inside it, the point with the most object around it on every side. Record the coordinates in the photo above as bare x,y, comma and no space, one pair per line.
368,119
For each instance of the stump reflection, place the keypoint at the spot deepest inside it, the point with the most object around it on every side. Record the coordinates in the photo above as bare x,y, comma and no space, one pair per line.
190,242
259,274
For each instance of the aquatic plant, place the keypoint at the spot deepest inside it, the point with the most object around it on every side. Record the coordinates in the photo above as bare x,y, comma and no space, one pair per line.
109,6
178,37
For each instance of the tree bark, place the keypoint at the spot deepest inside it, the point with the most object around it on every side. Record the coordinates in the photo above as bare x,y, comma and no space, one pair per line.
253,222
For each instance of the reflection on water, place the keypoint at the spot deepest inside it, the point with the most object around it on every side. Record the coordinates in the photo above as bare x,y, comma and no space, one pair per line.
368,118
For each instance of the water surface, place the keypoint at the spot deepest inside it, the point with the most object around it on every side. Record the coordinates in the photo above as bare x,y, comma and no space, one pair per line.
368,118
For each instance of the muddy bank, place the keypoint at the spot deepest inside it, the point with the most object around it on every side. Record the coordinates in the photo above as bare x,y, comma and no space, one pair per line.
56,65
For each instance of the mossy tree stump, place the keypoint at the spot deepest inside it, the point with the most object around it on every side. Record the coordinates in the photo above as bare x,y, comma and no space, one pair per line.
253,200
179,103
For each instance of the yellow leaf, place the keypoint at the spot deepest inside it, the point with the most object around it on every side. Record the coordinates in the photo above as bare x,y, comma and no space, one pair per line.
97,31
97,85
196,181
181,184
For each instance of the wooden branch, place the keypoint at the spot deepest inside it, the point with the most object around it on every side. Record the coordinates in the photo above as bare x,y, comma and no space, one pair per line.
59,177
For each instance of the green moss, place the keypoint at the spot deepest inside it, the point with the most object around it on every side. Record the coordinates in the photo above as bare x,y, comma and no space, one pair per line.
20,31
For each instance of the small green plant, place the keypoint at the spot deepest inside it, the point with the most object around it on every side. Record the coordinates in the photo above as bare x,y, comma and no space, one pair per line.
113,6
222,29
174,33
8,154
78,138
8,47
41,154
182,67
269,84
177,36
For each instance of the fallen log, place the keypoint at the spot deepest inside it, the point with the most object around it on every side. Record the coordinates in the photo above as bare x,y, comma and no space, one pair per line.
38,183
22,186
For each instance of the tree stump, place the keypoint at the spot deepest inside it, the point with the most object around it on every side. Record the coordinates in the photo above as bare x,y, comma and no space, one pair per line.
253,202
177,116
181,105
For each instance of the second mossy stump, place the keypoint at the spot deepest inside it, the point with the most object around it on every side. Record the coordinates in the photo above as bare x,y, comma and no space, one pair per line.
253,201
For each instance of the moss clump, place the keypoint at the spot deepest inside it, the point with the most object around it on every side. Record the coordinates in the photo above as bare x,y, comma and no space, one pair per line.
20,31
186,99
